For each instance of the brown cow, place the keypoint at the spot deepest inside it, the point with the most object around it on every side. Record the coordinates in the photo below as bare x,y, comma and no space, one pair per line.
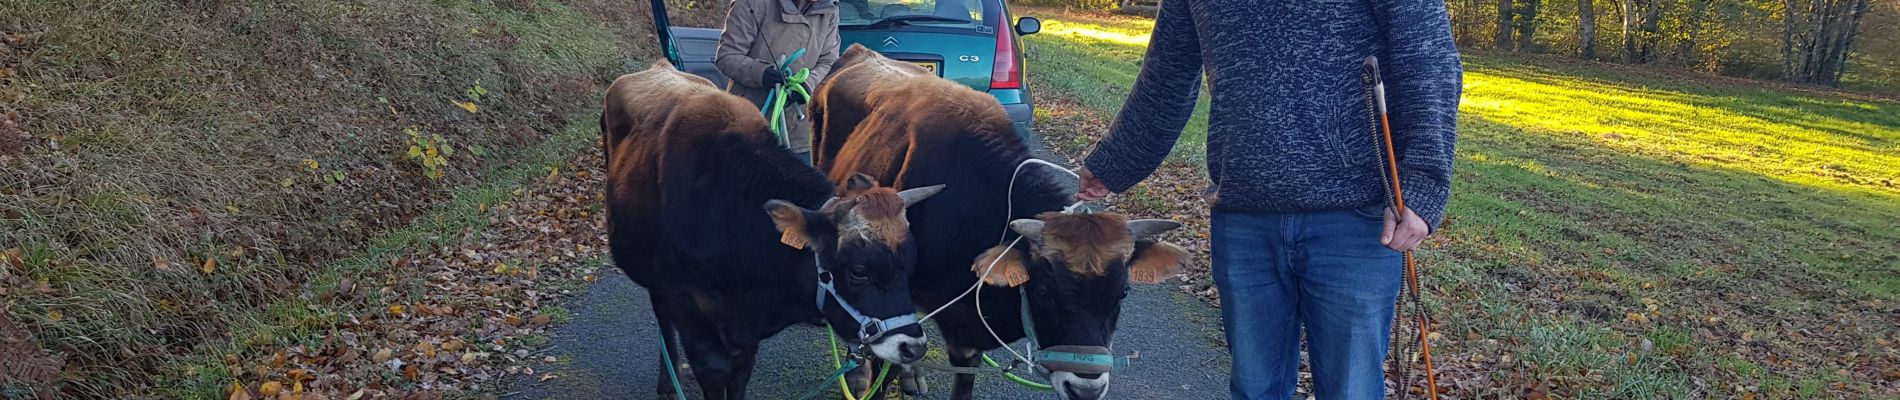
914,130
689,168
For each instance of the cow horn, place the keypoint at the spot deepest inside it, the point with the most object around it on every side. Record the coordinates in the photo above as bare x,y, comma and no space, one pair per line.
1143,228
914,195
1029,228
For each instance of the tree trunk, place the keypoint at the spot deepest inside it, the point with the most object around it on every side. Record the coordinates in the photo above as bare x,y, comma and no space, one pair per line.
1847,28
1787,39
1628,9
1587,28
1526,25
1652,28
1504,25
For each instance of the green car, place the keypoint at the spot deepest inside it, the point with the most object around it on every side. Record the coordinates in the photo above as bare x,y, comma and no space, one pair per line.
977,43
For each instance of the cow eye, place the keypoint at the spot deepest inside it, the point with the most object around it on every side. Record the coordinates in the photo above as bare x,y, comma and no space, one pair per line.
859,272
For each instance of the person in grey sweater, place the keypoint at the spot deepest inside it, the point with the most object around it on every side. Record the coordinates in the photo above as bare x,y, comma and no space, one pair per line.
1302,236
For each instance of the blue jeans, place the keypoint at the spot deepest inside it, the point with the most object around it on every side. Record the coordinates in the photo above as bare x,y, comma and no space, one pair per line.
1324,271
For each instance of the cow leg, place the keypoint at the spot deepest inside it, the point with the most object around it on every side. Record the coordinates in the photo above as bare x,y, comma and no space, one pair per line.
671,341
712,363
745,355
962,356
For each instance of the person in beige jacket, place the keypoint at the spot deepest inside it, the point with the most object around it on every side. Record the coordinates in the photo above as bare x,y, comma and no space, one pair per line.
760,32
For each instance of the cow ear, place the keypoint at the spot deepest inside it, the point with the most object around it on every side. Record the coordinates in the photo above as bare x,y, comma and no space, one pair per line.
1007,270
859,182
1156,262
790,220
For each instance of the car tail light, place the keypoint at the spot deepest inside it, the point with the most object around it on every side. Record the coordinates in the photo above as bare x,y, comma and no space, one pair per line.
1005,72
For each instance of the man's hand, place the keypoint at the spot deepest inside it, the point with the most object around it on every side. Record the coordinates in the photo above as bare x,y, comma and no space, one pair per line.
1092,188
795,97
1406,234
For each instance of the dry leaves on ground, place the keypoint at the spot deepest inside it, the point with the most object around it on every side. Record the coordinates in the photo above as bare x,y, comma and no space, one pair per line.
453,319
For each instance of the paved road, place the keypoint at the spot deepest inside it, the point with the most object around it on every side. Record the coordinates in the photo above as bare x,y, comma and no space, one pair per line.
607,351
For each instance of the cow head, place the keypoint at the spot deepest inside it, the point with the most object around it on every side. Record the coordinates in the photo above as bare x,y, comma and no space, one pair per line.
1073,273
861,242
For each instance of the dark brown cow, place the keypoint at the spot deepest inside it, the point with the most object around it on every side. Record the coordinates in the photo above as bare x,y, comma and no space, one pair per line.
915,129
689,168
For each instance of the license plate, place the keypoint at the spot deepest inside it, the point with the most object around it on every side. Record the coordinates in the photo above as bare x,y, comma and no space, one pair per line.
928,65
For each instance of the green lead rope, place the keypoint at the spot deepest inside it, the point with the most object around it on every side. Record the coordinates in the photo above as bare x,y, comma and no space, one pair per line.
775,99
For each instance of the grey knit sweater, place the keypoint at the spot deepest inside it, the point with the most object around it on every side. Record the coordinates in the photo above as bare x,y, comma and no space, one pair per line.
1291,129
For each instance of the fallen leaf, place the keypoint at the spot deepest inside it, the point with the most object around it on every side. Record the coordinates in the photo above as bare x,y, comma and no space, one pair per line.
466,106
409,372
427,350
270,388
54,315
468,358
383,355
157,262
512,320
211,264
548,359
554,175
238,392
542,319
278,360
395,310
546,377
452,345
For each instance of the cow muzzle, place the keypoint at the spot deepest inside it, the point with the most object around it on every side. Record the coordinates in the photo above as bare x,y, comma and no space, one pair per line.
1082,386
1079,372
900,347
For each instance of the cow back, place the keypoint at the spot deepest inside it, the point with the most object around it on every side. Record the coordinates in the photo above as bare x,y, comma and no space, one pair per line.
689,169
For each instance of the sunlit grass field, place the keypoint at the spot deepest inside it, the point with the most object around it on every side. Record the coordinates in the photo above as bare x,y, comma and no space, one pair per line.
1622,233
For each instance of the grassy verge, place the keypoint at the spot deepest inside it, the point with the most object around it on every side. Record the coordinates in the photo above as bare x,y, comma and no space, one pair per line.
174,176
307,318
1621,233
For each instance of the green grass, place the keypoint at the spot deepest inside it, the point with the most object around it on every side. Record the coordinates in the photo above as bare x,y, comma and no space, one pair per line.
1759,223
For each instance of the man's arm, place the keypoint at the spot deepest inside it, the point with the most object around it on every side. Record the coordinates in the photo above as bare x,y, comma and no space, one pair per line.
742,27
1423,81
1159,105
827,55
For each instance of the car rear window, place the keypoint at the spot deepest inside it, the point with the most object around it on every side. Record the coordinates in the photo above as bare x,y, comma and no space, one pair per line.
932,13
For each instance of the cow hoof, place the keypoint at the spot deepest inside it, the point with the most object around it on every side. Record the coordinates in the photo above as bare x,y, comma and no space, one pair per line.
912,381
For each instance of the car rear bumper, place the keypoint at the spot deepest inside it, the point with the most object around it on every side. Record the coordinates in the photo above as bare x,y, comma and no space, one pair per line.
1021,115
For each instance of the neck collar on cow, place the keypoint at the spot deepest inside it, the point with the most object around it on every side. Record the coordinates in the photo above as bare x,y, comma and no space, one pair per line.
869,328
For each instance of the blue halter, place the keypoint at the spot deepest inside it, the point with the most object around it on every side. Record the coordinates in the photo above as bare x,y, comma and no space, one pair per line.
869,329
